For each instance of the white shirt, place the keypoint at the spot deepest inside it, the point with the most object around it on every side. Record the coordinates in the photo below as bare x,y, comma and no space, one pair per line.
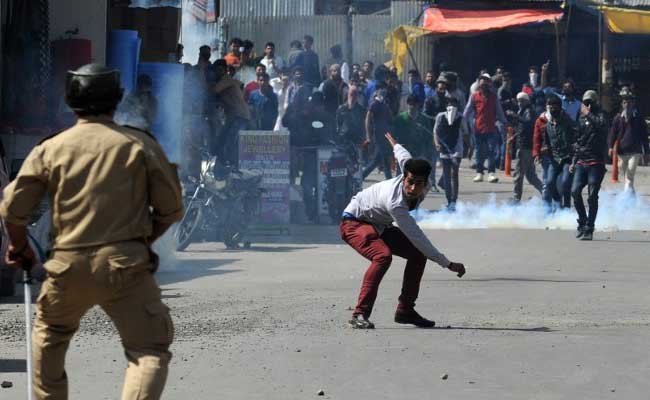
383,204
273,65
281,92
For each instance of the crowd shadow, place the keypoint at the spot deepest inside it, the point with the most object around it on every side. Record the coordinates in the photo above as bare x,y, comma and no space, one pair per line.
188,269
10,365
170,272
308,234
257,249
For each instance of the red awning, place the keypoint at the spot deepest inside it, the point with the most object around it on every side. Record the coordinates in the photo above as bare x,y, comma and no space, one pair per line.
444,20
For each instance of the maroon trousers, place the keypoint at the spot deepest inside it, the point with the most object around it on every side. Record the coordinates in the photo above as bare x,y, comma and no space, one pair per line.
363,237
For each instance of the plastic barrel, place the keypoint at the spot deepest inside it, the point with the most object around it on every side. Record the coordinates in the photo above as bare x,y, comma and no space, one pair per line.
123,54
168,89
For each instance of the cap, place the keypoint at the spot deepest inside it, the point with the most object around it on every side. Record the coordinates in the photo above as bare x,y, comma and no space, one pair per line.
590,95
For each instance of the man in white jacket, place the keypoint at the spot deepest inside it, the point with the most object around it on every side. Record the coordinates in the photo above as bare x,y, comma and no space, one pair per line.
377,224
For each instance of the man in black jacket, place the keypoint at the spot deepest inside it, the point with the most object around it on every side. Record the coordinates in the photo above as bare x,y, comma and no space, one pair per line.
350,119
524,122
589,162
629,135
561,132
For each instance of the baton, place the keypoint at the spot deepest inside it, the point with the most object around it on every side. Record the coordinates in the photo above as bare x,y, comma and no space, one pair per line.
27,283
27,290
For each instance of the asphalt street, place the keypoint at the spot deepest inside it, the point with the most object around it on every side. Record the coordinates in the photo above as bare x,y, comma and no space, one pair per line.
539,315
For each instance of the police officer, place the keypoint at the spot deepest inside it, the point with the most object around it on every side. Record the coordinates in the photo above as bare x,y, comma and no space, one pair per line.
113,193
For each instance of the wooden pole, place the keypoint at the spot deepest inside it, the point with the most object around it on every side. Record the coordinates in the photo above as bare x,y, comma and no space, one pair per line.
412,57
508,160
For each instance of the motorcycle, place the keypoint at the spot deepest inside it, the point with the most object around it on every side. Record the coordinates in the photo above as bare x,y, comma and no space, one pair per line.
343,178
221,207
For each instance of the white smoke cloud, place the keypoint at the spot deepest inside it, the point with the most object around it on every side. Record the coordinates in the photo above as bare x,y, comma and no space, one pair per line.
617,211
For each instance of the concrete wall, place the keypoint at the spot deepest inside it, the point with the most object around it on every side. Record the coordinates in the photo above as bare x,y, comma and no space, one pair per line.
87,15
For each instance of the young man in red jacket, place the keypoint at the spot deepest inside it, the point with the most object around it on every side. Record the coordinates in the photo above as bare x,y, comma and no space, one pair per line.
485,108
541,153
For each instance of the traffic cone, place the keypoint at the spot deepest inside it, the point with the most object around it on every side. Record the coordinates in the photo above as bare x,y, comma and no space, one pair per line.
508,161
615,163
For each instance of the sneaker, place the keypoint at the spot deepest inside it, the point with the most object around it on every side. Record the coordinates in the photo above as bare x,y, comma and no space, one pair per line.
588,234
413,318
478,178
360,322
451,207
581,230
493,179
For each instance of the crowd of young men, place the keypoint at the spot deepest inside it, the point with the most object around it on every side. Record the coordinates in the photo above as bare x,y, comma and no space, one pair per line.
434,119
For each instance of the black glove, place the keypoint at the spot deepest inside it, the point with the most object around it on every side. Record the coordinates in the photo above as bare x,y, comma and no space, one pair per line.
458,268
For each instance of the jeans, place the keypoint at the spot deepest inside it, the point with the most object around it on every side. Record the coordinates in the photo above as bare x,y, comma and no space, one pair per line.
557,187
450,172
486,147
434,161
525,167
592,177
379,250
227,145
546,163
379,158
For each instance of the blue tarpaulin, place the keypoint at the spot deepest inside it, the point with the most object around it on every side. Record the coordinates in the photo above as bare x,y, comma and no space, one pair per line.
168,89
123,54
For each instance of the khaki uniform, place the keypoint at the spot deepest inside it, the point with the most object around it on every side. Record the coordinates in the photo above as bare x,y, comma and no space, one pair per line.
107,184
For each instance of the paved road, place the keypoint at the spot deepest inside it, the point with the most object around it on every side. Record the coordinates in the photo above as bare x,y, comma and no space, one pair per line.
538,316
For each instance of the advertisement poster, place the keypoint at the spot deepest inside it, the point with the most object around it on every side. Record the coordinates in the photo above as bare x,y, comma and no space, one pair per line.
268,151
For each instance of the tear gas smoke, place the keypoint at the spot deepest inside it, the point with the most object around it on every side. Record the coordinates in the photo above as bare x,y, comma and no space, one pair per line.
165,247
617,211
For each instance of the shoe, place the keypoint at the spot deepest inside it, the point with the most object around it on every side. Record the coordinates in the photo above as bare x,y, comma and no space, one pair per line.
478,178
493,179
514,201
451,207
413,318
581,230
360,322
588,234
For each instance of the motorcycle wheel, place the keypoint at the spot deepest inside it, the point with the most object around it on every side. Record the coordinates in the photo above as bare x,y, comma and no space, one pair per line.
185,231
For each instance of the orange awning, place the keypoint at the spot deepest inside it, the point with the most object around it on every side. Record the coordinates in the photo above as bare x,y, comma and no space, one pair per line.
445,21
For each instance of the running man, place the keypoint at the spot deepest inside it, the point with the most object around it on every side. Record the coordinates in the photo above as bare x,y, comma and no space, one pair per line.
377,224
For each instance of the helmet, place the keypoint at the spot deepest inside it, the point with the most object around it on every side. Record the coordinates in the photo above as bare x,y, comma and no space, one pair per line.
590,95
93,89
